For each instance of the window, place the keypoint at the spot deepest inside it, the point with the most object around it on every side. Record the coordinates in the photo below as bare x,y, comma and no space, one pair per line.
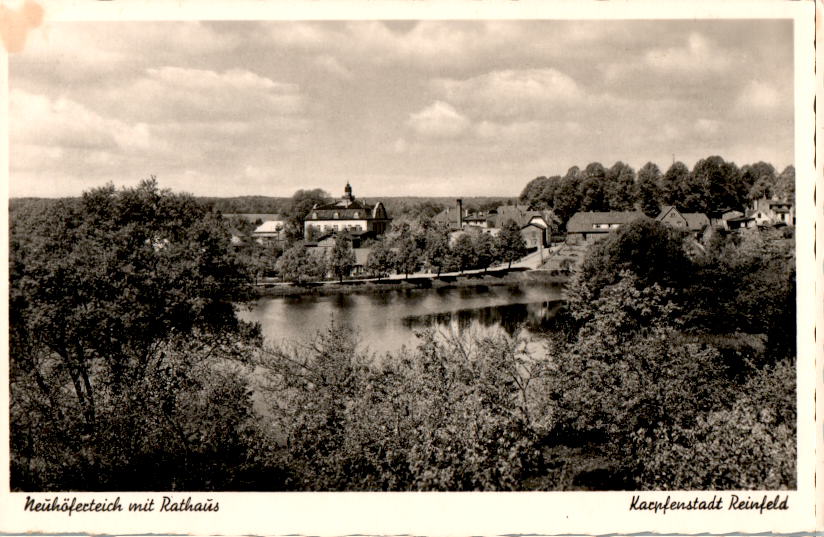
357,215
315,216
337,215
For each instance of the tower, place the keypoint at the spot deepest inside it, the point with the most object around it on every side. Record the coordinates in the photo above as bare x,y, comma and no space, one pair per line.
347,194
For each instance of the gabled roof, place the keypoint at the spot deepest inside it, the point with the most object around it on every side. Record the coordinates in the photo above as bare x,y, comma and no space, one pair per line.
520,214
582,221
695,221
270,226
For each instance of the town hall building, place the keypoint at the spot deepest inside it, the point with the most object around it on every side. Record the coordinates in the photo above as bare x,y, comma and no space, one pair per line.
347,214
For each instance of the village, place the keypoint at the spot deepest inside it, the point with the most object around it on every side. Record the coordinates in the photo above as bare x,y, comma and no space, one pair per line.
544,241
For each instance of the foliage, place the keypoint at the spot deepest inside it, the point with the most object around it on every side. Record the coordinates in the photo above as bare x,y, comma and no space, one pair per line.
341,258
464,252
510,244
113,299
750,445
653,251
381,259
436,251
407,252
299,206
450,415
649,189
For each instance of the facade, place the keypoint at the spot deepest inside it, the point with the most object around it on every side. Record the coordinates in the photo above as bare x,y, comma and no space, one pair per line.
534,235
771,212
348,214
588,226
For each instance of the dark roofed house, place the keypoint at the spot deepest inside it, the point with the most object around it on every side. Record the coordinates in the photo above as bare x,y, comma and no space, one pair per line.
586,226
349,214
696,223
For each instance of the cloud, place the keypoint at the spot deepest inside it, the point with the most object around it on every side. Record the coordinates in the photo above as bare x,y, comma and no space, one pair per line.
63,123
438,120
760,96
698,54
510,93
707,127
191,94
333,66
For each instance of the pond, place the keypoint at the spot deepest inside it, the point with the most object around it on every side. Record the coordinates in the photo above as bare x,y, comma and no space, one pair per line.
388,320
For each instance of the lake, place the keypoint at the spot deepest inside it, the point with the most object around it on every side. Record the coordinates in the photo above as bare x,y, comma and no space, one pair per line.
387,320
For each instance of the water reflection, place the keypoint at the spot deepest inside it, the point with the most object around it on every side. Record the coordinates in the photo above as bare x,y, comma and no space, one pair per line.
388,320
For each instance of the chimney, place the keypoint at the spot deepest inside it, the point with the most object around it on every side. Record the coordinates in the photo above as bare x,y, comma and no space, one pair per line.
460,213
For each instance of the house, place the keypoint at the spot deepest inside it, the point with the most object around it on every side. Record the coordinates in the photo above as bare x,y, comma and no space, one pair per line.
534,235
772,212
361,258
696,223
350,214
587,226
270,230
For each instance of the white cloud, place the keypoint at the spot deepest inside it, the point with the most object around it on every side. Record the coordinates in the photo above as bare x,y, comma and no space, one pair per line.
174,93
63,123
333,66
759,96
438,120
509,93
697,54
707,127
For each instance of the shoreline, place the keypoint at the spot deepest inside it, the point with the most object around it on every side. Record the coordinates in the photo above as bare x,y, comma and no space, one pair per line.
496,277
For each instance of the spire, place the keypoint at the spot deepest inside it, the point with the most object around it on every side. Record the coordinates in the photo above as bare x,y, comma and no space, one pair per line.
348,198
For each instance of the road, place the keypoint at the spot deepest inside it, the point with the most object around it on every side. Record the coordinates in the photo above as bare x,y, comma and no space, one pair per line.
531,261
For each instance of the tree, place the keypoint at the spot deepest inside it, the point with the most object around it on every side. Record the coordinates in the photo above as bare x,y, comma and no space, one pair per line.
652,251
510,243
342,258
485,251
299,206
568,195
619,187
760,180
785,184
293,266
464,252
381,259
593,197
407,255
717,184
649,192
103,291
437,252
675,185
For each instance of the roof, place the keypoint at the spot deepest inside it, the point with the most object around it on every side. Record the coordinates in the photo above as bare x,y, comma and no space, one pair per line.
520,214
270,226
582,221
254,217
695,221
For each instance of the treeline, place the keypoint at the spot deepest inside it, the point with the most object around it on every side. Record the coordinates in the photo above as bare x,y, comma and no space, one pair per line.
406,250
670,368
711,185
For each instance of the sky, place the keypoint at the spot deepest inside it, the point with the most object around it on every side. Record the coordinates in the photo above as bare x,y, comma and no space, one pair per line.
417,108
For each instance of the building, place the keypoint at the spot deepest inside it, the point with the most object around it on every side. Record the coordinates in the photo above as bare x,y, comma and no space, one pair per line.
534,235
349,214
696,223
771,212
270,230
587,226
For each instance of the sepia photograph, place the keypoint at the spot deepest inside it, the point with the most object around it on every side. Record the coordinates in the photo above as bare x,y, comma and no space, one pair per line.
396,255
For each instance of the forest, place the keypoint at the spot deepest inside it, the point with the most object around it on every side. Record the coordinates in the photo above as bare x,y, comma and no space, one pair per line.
670,367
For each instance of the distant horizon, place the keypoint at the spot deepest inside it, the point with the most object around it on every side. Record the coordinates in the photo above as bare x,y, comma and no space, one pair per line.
399,108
